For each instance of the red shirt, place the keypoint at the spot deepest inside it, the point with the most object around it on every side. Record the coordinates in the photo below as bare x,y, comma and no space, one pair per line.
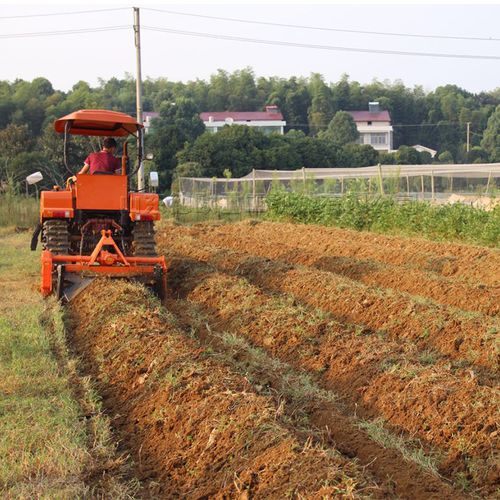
103,162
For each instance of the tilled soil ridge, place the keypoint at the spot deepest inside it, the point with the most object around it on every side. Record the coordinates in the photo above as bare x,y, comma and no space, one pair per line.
193,427
463,336
454,260
338,256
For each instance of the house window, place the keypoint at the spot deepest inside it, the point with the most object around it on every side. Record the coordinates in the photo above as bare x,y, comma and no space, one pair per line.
378,139
369,123
269,129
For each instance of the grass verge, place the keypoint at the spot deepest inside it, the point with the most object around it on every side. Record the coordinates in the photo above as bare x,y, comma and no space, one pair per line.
48,415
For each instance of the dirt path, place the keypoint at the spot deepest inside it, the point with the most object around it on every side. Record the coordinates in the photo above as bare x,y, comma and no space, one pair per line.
339,257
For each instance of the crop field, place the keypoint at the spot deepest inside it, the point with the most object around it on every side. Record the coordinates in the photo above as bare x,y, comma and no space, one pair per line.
300,361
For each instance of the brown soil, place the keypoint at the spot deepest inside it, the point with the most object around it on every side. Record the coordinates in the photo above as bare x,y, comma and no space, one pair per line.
414,391
462,336
339,257
302,362
479,264
193,427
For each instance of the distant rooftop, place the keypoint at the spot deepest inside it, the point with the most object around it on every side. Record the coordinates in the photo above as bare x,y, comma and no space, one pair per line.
272,113
367,116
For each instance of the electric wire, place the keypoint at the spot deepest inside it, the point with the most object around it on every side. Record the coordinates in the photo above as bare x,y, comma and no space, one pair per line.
63,13
64,32
319,28
316,125
315,46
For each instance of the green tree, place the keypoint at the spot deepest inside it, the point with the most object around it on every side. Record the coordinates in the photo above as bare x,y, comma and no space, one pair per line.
237,148
15,139
357,155
477,155
321,110
179,123
341,130
491,137
188,169
446,157
407,155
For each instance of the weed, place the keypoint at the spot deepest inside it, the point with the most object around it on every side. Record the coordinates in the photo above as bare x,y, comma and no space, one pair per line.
428,358
425,334
462,482
411,449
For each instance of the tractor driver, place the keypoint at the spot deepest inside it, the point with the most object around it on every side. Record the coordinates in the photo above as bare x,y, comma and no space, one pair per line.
103,162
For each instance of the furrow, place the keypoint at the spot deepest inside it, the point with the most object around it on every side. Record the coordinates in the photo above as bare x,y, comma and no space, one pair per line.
194,428
414,392
400,467
477,265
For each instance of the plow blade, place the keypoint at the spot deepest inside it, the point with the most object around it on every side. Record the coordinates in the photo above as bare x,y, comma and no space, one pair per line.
68,275
71,286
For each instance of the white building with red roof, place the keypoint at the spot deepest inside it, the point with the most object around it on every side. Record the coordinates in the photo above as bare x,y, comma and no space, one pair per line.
374,127
268,121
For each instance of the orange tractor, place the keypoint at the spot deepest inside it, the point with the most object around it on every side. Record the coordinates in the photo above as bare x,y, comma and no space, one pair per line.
96,225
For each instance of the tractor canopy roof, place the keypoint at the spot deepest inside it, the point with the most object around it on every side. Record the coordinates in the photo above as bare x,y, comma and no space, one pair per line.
99,122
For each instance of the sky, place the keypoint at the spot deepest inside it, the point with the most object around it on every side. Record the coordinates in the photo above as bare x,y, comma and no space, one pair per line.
66,59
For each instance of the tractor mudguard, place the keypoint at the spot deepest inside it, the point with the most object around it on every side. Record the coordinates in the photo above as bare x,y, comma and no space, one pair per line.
34,237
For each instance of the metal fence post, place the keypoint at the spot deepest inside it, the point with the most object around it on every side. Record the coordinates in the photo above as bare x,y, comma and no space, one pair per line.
254,192
488,183
380,179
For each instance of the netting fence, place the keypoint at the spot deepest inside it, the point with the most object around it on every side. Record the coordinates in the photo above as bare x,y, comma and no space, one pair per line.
468,183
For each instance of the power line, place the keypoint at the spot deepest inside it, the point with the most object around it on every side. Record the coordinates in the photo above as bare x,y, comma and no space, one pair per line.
445,124
64,32
319,28
64,13
393,125
314,46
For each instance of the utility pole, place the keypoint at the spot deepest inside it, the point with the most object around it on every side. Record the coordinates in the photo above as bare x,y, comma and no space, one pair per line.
138,90
468,137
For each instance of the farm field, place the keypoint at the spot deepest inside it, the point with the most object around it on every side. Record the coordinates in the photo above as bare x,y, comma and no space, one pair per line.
298,361
400,334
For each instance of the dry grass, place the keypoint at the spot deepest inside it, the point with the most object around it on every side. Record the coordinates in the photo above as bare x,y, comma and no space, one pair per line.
18,210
